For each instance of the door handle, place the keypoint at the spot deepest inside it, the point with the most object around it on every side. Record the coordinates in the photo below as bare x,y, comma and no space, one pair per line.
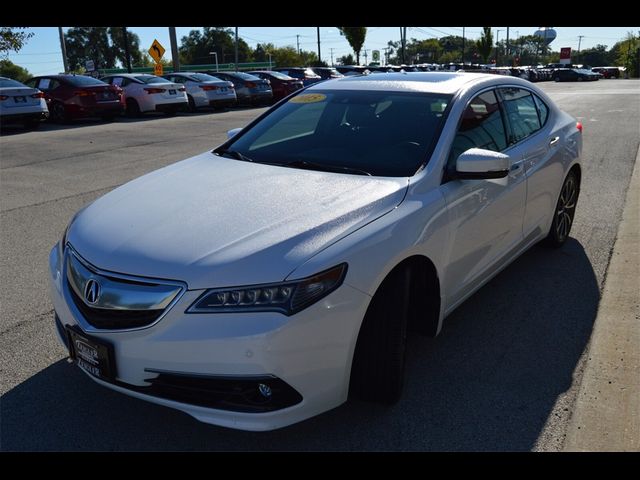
553,141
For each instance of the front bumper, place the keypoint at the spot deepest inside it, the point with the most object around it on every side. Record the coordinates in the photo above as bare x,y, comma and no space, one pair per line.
310,352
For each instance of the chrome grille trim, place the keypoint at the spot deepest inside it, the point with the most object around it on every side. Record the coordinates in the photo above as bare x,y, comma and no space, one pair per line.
121,293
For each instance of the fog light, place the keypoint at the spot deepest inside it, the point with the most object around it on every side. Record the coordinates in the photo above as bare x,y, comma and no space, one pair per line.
265,390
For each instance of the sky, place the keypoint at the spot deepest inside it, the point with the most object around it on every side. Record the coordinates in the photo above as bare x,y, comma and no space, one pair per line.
42,54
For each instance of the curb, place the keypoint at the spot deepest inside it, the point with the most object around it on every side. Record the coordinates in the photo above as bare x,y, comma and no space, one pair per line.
607,410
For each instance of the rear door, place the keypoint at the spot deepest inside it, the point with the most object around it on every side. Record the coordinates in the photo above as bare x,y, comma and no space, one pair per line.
537,135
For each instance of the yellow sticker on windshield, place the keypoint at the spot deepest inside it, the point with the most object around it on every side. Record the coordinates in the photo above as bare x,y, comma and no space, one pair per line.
308,98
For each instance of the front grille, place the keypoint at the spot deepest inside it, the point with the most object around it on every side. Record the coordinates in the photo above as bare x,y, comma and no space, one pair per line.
114,319
238,394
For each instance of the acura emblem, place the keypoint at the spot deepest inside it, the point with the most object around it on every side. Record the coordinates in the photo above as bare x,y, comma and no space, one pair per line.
92,291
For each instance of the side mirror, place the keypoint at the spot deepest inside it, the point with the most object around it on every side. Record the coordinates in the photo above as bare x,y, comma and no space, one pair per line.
479,164
233,132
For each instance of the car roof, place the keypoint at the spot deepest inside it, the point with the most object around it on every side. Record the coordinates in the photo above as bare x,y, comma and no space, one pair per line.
435,82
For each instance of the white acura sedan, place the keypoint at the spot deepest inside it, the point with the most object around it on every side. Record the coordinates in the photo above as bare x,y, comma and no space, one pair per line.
263,282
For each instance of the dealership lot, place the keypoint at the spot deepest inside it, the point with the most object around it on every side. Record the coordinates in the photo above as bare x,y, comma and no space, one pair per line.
503,375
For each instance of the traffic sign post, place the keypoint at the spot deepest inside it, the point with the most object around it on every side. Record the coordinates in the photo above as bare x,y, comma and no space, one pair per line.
157,69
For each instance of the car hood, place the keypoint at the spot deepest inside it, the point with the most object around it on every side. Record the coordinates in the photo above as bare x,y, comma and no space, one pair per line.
212,221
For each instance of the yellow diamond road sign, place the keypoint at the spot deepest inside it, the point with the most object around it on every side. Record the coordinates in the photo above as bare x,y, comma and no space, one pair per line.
156,51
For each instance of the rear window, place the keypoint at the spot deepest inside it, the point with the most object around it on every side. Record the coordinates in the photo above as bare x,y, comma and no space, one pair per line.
83,81
280,75
244,76
7,83
380,133
150,79
203,77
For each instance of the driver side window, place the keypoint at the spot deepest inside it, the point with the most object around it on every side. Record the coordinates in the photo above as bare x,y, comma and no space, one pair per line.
481,126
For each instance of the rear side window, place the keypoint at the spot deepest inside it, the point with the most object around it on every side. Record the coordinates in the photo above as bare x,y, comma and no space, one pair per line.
521,112
543,110
481,127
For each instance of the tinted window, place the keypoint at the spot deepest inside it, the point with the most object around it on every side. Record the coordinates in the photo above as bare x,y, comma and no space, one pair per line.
7,82
543,110
279,75
150,79
521,113
32,82
83,81
203,77
383,133
481,127
244,76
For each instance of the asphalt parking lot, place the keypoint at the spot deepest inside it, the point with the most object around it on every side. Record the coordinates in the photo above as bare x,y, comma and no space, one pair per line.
503,375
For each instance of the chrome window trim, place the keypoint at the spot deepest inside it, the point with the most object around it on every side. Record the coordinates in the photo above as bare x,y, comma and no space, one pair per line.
82,322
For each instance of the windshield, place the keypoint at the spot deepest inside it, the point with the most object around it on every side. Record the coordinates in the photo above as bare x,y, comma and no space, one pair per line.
82,80
150,79
380,133
7,82
203,77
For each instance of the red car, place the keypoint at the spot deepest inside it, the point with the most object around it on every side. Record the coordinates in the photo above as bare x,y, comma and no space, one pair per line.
281,84
73,96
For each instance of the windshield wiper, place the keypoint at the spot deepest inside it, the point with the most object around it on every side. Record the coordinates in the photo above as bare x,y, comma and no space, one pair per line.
235,154
325,167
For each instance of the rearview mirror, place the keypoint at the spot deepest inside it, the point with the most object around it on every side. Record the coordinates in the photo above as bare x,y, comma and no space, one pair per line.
233,132
479,164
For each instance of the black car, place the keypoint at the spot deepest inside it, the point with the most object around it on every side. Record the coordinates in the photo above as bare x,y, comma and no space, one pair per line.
249,88
574,75
327,72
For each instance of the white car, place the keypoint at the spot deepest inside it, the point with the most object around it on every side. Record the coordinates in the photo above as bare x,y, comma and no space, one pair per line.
149,93
261,283
205,90
21,104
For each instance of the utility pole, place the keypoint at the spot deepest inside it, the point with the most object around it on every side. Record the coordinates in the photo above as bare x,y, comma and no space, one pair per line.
331,56
507,49
366,62
386,56
63,47
463,38
580,37
236,49
174,49
127,56
319,57
403,41
497,45
298,43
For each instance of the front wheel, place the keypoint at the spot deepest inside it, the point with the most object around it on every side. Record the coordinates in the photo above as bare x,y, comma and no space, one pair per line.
564,212
377,372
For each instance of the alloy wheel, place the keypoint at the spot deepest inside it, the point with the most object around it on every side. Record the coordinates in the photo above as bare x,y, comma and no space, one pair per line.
566,208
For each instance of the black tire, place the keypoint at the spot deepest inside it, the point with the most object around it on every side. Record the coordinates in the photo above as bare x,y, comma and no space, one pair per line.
564,212
377,371
171,113
556,78
59,113
192,104
133,109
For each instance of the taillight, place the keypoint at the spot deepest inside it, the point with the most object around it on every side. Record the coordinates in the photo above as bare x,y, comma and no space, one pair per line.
38,95
251,85
151,90
3,97
182,89
208,87
579,126
84,93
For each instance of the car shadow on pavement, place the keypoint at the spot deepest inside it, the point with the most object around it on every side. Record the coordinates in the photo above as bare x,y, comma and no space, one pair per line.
489,382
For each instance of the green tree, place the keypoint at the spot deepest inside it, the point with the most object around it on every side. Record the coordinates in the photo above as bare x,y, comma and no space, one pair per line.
595,57
11,70
346,60
89,43
485,44
355,36
12,39
626,54
195,48
116,35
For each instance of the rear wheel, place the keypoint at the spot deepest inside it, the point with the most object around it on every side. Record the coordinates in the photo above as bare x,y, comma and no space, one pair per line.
59,113
564,212
32,124
192,104
133,109
377,372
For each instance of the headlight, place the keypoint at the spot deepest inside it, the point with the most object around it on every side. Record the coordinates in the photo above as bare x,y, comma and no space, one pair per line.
285,297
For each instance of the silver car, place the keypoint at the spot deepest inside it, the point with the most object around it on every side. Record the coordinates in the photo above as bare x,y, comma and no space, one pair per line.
205,90
21,104
149,93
